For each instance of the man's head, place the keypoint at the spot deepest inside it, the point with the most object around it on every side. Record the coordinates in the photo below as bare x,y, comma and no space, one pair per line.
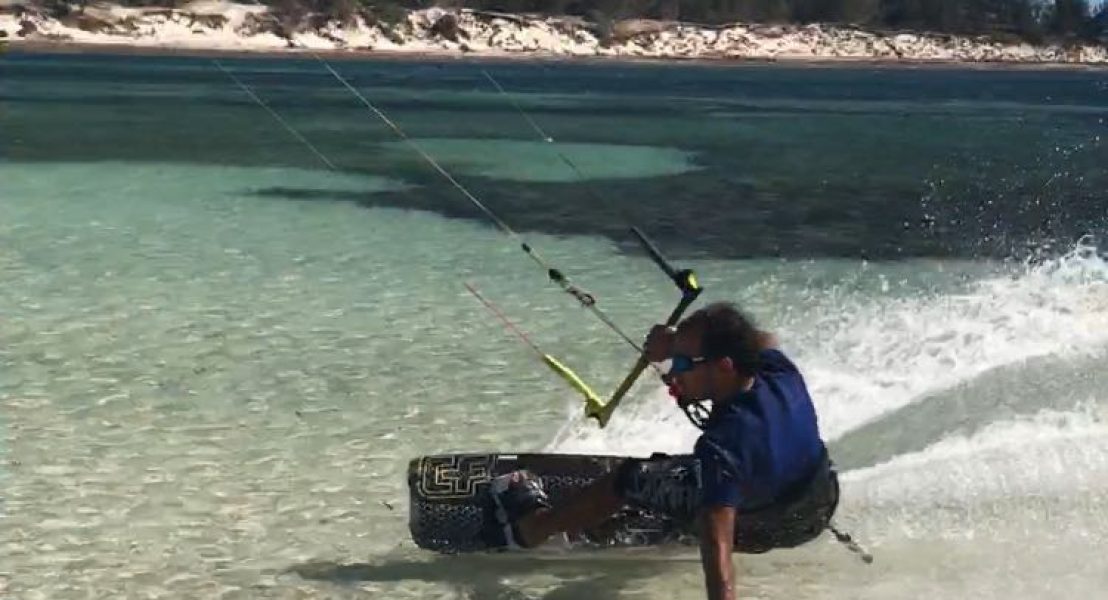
715,353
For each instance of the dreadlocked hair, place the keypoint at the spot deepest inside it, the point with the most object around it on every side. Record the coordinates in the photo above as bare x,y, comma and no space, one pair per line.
726,332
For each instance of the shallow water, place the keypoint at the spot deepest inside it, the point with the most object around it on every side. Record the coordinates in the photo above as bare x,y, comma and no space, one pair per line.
219,356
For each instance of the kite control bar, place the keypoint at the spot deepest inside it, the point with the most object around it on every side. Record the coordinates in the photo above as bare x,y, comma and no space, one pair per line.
685,280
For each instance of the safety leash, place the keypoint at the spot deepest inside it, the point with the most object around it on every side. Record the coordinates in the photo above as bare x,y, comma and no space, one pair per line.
845,539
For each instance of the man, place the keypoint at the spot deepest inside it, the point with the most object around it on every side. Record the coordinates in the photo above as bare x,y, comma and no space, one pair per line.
764,480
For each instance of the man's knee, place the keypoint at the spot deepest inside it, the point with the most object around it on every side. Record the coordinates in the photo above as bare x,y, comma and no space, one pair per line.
630,475
666,484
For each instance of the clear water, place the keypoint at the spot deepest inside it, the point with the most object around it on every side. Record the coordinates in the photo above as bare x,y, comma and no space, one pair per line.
218,356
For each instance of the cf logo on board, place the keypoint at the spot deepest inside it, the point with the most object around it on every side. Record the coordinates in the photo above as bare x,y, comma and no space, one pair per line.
454,476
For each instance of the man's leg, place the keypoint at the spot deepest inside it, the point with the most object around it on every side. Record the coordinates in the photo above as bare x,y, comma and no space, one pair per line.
663,483
589,508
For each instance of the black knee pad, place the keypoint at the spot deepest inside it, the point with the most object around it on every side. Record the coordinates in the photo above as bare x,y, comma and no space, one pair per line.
662,484
630,472
626,474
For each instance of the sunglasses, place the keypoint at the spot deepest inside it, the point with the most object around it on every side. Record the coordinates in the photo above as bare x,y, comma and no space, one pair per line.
681,363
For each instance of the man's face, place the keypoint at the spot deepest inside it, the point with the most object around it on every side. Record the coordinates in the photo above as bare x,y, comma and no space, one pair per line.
688,369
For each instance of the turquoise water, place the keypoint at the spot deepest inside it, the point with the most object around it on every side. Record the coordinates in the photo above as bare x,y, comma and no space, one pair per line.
218,355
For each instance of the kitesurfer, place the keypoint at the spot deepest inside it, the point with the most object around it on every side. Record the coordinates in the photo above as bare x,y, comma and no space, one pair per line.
759,477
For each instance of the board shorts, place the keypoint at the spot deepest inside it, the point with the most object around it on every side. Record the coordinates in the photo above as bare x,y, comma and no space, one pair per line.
670,485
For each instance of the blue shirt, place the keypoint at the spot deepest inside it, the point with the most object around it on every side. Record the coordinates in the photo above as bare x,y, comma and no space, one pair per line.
769,432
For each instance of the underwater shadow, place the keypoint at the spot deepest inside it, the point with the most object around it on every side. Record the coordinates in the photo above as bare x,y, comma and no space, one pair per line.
671,211
482,577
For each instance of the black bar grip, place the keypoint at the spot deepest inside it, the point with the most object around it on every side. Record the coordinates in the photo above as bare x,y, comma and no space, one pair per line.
655,254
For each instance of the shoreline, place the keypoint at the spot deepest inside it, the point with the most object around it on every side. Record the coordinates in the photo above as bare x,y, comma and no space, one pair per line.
221,28
121,49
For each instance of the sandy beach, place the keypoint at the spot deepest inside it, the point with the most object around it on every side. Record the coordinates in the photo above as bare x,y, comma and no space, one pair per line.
219,27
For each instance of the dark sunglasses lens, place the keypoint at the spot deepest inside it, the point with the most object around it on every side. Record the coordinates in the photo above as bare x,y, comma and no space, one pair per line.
681,364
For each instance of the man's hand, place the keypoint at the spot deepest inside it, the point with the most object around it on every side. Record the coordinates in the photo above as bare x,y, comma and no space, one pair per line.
717,531
659,343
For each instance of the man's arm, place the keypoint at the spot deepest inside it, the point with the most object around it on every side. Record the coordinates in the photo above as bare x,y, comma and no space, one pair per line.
717,530
766,340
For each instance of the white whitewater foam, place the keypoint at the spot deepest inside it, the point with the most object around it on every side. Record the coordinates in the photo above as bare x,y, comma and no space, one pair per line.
1036,484
1051,452
864,357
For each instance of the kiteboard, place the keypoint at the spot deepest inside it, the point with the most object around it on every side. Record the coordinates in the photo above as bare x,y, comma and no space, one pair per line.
451,510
